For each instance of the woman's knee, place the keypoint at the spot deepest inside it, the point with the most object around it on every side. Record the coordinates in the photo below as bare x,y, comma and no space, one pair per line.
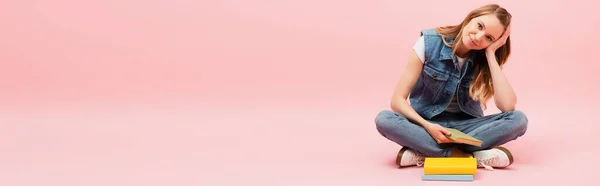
388,120
520,121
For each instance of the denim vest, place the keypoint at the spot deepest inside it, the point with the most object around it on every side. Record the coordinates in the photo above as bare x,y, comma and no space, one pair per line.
441,79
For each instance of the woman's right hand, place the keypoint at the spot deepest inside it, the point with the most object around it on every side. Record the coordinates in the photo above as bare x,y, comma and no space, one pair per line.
438,133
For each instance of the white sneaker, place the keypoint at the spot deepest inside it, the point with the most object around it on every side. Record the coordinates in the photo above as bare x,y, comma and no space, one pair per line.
408,157
498,157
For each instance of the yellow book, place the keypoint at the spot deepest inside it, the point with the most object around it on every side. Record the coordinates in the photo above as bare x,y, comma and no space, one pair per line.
449,165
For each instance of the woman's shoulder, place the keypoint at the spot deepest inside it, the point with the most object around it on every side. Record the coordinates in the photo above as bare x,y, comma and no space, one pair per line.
430,32
431,38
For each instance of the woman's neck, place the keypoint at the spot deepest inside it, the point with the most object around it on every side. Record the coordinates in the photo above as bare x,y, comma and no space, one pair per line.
462,51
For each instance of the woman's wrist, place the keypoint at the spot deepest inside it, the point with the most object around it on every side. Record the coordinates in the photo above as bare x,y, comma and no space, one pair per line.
425,124
490,53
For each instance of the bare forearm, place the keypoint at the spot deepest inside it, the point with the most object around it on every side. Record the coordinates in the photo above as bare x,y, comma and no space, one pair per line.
504,96
402,107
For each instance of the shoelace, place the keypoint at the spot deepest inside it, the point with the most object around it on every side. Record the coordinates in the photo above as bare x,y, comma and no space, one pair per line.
419,158
486,161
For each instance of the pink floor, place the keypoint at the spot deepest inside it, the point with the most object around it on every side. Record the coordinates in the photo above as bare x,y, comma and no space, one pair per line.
183,145
261,92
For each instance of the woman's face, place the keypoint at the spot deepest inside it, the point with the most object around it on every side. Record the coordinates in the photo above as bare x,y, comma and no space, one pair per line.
482,31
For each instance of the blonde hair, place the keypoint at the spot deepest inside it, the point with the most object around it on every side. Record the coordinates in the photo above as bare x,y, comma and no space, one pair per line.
481,88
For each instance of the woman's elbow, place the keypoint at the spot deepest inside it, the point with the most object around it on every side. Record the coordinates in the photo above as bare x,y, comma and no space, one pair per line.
507,107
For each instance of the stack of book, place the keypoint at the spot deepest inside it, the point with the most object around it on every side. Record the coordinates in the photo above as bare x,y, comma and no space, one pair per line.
452,168
449,169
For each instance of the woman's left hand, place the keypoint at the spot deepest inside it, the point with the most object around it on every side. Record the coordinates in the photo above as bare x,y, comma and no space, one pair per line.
500,42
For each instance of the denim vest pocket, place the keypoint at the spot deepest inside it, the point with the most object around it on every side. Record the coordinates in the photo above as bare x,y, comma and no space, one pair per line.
434,80
466,83
471,106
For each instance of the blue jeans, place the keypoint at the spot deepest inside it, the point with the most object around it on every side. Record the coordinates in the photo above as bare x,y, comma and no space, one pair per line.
493,130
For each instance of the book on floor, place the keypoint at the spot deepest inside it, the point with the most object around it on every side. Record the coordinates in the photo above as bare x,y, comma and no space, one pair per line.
447,177
461,137
449,166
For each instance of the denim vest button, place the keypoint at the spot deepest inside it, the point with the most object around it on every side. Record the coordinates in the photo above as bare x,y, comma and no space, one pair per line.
435,75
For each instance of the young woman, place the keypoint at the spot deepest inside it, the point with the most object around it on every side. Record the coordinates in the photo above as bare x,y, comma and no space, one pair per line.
451,74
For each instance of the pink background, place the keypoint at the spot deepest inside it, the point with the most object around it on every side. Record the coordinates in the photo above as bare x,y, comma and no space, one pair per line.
261,92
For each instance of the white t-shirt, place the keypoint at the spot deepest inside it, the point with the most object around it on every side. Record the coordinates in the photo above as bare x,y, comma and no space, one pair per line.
419,48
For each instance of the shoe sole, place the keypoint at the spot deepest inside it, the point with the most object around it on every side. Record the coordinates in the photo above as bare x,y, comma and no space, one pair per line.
510,157
399,156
